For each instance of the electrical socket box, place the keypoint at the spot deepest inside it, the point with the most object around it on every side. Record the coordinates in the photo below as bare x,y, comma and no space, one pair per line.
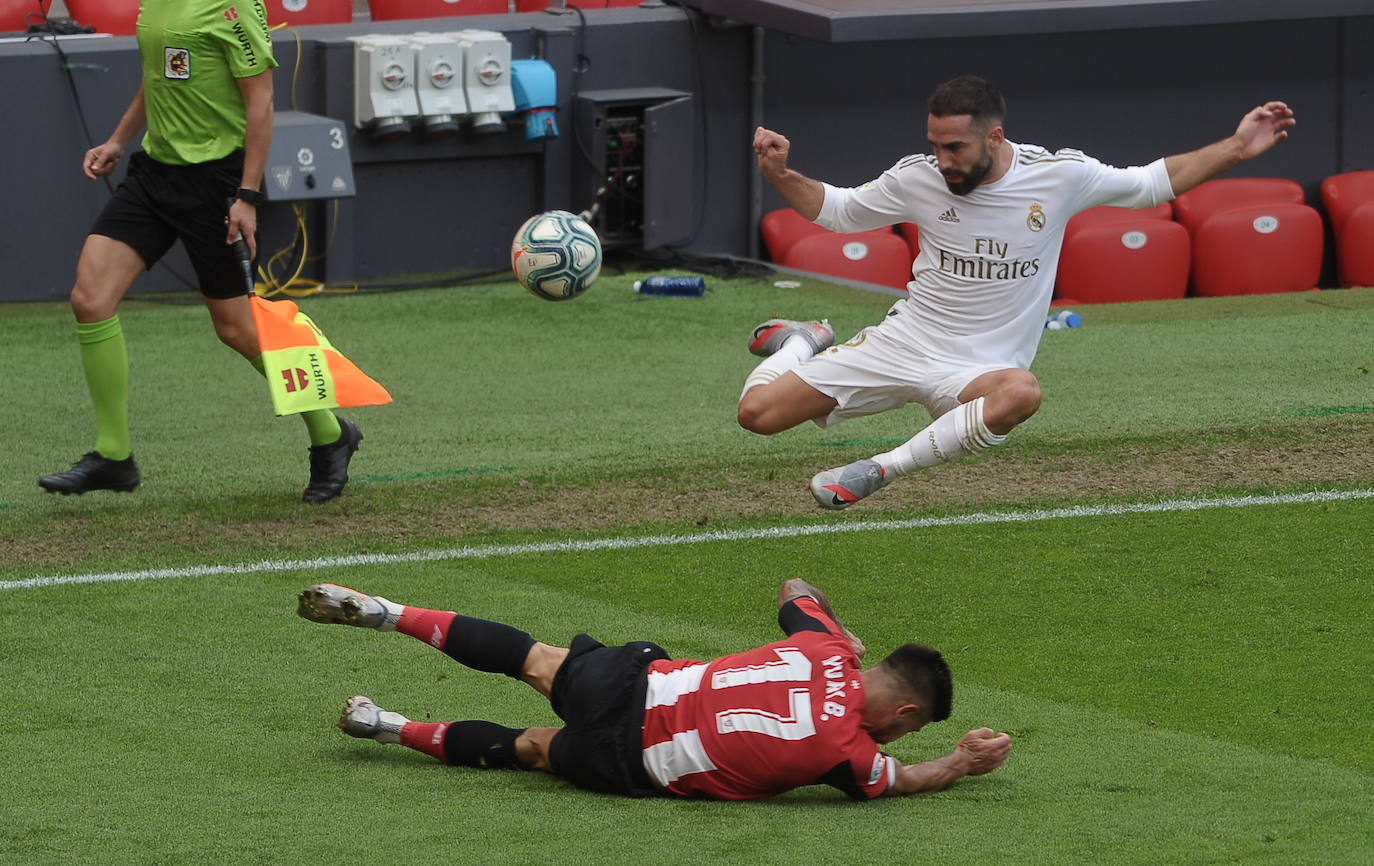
308,158
486,78
384,83
643,144
439,81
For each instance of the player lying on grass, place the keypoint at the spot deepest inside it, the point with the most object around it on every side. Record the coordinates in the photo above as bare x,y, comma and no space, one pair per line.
991,215
795,712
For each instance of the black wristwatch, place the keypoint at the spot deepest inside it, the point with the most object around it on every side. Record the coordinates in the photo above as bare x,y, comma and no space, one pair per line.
252,196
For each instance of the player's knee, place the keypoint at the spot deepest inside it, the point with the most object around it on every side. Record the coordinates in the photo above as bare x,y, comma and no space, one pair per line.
541,666
90,304
1027,397
238,338
1015,402
532,748
753,414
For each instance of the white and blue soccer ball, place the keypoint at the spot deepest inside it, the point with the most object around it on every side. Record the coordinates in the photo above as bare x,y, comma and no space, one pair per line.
556,255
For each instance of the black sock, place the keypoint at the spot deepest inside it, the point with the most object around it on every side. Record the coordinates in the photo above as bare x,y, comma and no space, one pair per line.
488,646
485,745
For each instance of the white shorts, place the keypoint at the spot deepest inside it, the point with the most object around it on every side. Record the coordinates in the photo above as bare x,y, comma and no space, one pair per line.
873,373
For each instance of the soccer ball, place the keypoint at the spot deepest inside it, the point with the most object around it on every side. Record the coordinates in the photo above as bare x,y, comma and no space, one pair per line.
556,255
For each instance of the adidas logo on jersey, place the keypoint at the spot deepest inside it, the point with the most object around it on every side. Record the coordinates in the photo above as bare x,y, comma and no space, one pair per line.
949,216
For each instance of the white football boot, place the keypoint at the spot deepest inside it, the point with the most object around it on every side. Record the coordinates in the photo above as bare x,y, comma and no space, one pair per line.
330,603
363,719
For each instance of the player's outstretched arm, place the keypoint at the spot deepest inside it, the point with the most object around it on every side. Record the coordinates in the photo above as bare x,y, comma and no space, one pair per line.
1260,129
795,588
801,193
979,751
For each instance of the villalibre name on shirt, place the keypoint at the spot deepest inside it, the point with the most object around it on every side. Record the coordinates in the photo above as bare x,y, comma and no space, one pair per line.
988,262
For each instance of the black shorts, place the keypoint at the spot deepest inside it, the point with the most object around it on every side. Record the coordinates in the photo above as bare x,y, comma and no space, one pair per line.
599,694
159,203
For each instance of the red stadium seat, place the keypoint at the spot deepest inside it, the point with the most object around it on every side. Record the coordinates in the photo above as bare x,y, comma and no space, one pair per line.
1108,214
14,15
117,17
782,228
1111,257
396,10
309,12
1355,247
1230,220
878,256
911,233
584,5
1343,195
1216,196
1258,250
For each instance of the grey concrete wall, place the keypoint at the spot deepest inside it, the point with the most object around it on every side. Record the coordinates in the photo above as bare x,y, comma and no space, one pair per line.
1126,96
422,206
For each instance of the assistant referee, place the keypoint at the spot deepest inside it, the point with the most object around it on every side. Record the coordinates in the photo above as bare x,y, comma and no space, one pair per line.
206,102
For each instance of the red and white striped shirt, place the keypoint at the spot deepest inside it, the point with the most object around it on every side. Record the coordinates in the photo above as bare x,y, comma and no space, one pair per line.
762,722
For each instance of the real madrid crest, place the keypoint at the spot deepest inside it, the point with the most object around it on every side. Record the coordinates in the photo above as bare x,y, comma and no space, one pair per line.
1035,220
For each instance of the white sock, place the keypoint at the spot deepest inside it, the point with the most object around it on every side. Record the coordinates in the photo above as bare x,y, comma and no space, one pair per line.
958,432
389,731
793,351
393,613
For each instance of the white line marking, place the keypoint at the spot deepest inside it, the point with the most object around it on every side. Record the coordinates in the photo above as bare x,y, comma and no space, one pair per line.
634,542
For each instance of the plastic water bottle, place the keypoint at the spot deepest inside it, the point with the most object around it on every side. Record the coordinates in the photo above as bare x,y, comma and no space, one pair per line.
1063,319
690,287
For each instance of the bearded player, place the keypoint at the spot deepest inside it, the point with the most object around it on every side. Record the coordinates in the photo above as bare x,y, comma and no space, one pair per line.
991,215
795,712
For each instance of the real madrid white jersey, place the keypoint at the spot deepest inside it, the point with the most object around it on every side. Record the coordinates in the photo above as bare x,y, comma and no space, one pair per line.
982,283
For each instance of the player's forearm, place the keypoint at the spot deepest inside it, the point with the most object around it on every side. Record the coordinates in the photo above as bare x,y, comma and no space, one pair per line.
1187,170
794,588
802,194
930,776
134,119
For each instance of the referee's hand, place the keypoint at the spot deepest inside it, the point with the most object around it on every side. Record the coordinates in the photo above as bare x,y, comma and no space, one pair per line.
102,159
242,219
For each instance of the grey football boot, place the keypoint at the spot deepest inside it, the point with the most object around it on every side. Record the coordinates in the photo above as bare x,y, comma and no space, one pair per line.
363,719
769,337
331,603
841,487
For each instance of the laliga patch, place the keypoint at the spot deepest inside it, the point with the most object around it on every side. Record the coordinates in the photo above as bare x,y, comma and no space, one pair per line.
879,763
176,63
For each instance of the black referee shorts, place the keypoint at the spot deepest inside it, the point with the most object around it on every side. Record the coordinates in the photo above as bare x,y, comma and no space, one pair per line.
599,694
159,203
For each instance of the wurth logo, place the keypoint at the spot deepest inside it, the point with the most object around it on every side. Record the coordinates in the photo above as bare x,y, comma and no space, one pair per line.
249,55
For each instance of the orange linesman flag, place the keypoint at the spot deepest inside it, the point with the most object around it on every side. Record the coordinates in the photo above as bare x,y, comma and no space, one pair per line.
303,370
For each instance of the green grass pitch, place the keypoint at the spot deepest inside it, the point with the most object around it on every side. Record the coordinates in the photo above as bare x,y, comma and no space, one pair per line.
1182,686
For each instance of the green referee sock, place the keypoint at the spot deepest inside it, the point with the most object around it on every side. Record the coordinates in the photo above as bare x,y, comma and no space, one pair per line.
105,360
321,424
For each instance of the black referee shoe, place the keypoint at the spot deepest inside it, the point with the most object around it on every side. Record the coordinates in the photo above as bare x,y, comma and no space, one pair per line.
329,464
93,472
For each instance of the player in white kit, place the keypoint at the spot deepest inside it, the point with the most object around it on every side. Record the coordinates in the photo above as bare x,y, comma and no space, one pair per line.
991,215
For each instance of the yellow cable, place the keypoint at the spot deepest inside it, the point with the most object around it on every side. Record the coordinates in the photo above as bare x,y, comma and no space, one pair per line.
295,286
